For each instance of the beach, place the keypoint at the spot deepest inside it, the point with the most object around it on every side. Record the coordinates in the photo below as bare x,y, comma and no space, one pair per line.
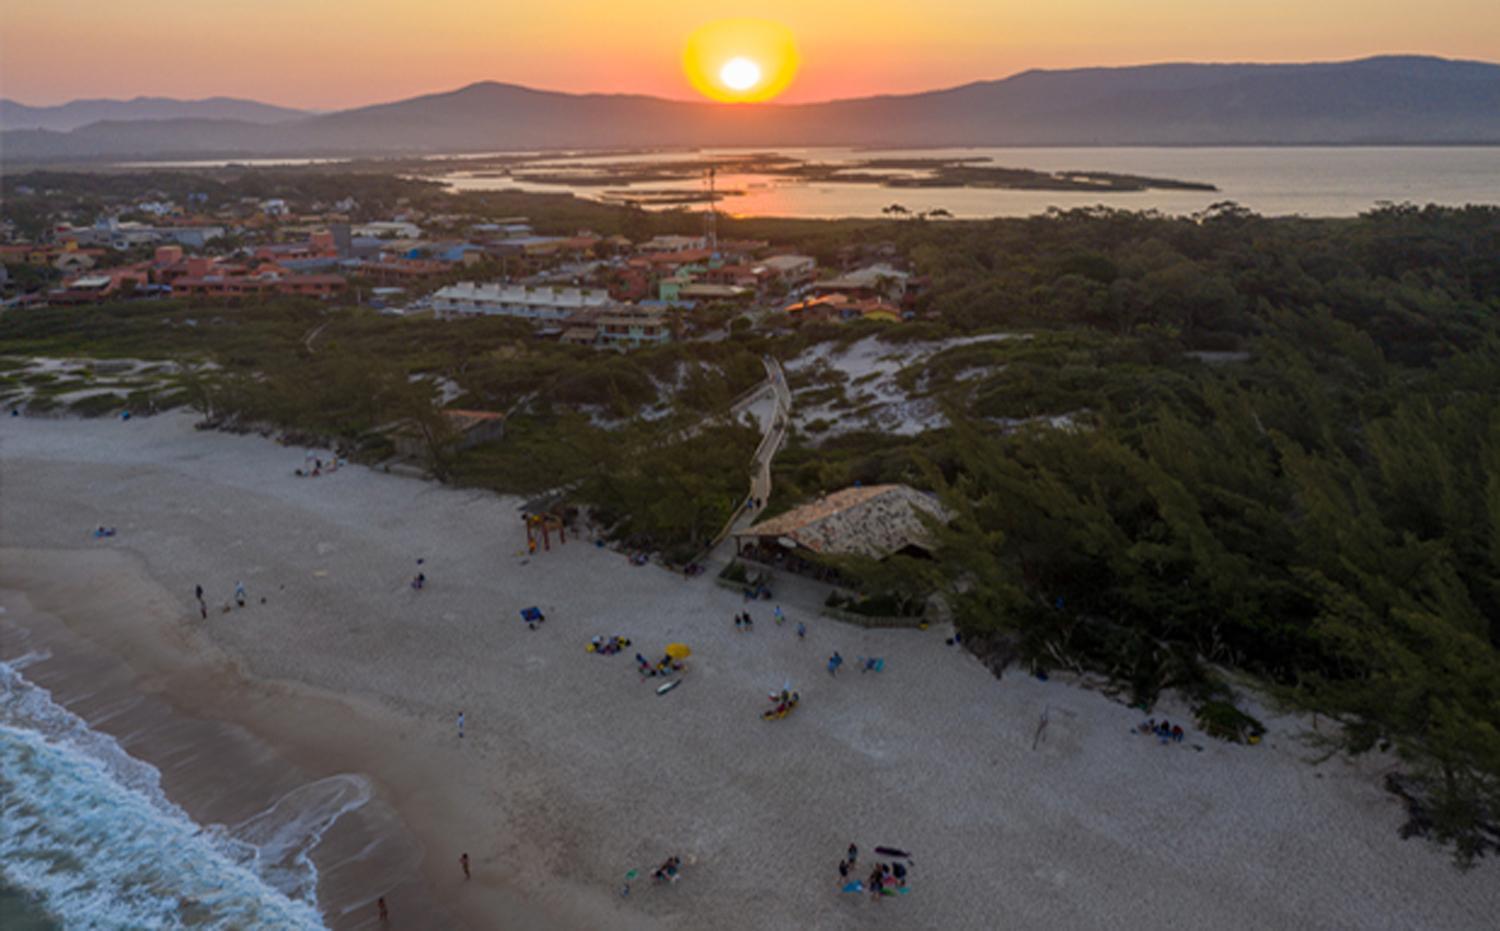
572,770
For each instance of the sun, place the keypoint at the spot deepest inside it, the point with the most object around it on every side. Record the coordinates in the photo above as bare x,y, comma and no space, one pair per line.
740,74
740,60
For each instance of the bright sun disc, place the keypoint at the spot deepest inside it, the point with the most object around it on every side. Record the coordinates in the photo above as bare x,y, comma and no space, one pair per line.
740,60
740,74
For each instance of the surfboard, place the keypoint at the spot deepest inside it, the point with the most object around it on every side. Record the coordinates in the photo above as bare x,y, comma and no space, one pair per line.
664,689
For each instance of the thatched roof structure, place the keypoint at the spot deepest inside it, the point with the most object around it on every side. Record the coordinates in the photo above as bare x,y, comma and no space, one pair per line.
867,520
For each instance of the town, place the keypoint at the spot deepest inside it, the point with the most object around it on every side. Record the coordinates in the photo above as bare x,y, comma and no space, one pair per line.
584,289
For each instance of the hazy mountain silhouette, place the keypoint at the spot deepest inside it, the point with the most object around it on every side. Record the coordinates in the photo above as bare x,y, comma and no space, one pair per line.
76,113
1386,100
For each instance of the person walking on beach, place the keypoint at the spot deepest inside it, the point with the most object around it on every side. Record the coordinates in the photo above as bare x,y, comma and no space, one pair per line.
460,725
239,593
843,869
801,631
834,662
463,861
853,855
198,592
780,617
385,913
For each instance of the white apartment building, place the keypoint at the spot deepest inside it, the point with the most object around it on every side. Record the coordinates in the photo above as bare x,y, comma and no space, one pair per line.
513,300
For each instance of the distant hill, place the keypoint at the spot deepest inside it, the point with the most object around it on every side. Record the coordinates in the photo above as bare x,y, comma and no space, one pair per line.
78,113
1387,100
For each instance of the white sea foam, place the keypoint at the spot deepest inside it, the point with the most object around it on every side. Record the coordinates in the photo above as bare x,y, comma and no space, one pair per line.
86,828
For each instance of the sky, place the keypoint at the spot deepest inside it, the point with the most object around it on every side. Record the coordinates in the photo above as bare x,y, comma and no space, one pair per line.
327,54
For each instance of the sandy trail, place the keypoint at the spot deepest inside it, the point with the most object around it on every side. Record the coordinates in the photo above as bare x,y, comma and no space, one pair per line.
574,771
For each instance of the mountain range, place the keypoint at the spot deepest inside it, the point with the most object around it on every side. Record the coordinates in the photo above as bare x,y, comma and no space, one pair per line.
1389,100
76,113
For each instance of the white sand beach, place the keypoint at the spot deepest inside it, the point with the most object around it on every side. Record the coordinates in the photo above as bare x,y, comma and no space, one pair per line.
573,770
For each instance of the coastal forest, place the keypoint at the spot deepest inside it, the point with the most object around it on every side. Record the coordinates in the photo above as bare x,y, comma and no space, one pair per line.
1217,450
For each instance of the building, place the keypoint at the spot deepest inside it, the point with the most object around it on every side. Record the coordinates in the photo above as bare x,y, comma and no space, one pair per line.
871,281
317,246
875,521
389,229
674,244
393,270
633,327
791,269
258,285
93,287
467,299
840,308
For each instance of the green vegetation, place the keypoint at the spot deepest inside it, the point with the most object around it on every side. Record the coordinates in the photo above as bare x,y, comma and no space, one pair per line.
1324,515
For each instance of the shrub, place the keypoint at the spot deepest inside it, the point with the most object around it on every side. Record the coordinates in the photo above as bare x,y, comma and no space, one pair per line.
1223,720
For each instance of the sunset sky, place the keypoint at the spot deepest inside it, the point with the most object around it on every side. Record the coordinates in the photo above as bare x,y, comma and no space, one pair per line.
339,53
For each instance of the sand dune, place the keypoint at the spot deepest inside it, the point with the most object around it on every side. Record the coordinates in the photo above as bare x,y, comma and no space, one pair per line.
573,770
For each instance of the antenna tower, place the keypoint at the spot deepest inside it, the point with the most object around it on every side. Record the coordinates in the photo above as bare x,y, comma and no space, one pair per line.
711,217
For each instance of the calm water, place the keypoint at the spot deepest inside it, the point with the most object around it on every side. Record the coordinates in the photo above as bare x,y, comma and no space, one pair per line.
1271,181
1333,181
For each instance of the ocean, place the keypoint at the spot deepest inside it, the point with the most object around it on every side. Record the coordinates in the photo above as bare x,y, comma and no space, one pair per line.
88,839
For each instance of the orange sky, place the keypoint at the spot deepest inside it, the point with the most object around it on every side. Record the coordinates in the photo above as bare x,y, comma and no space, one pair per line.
336,53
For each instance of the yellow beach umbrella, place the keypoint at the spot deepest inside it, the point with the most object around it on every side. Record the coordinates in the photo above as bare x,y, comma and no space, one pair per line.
678,650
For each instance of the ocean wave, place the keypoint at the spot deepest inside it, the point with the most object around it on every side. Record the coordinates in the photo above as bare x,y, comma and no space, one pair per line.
87,830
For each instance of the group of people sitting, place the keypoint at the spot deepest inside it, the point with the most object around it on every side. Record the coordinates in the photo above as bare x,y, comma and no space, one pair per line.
783,703
743,622
103,531
1165,731
668,871
663,667
608,646
885,878
318,466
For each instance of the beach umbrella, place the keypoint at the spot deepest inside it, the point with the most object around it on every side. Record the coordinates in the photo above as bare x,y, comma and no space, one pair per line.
679,650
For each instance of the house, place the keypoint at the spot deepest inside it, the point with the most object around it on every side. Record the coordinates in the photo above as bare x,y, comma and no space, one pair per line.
880,280
512,300
389,229
826,308
104,284
258,285
633,327
317,246
838,308
793,270
73,261
875,521
674,244
393,270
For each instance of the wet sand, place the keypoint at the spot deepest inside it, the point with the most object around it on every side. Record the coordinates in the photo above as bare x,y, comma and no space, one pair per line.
573,770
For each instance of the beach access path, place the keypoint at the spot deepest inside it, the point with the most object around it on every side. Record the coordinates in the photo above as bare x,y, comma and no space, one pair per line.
574,770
